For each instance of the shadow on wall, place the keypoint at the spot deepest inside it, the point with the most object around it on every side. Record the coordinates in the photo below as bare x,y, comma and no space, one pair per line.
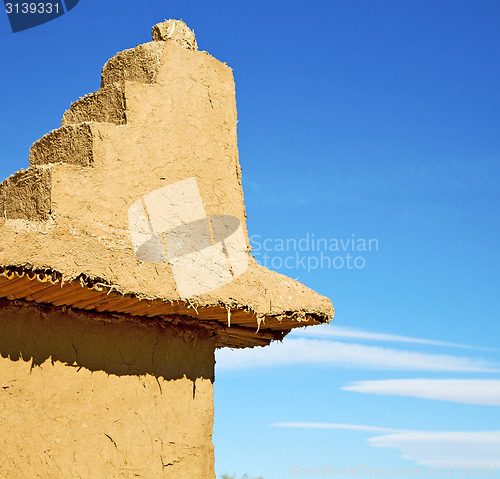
104,343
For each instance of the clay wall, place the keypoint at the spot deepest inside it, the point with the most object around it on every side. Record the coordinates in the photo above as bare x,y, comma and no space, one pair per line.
82,398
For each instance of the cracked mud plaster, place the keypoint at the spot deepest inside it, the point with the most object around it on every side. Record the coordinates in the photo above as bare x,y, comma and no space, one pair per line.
87,399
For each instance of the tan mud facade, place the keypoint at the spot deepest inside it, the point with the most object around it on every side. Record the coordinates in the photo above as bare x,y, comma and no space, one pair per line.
86,398
111,308
165,114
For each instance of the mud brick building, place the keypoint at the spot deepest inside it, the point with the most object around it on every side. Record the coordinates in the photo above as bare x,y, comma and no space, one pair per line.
124,264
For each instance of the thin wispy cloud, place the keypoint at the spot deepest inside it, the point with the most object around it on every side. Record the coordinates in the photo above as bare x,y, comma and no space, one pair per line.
476,449
469,391
328,425
428,448
343,332
339,354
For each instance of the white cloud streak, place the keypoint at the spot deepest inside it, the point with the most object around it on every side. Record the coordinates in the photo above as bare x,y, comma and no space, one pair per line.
309,351
453,449
428,448
469,391
327,425
342,332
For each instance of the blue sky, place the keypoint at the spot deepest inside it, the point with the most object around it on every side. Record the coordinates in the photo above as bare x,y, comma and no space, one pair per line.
357,120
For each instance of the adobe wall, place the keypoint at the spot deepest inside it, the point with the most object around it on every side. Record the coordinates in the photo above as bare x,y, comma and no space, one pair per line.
151,155
81,398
